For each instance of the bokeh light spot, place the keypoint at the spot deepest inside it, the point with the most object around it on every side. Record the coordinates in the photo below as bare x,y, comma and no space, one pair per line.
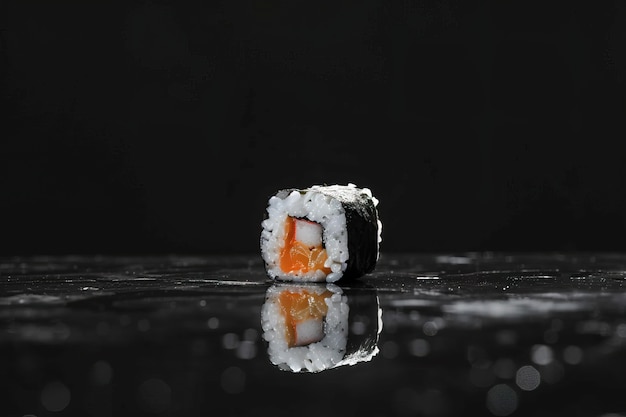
430,328
246,350
55,396
572,355
230,341
155,395
250,334
501,400
101,373
103,328
481,377
143,325
389,349
504,368
406,401
358,327
213,323
419,347
527,378
506,337
233,380
552,373
477,357
541,354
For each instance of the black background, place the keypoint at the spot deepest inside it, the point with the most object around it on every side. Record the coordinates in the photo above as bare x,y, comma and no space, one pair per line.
161,126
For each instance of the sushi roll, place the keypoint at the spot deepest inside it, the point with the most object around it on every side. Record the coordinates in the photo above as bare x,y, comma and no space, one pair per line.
321,233
311,327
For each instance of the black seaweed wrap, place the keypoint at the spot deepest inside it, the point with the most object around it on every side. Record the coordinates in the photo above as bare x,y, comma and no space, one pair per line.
362,228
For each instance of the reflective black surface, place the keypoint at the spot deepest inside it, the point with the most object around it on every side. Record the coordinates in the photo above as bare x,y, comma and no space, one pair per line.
442,335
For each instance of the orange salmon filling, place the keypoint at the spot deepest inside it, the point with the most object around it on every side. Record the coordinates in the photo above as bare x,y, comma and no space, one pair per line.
295,256
301,306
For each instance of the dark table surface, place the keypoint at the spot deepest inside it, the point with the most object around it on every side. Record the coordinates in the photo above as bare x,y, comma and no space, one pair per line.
532,334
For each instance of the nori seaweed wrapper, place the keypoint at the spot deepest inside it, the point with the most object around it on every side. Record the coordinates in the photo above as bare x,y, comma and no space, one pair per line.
362,228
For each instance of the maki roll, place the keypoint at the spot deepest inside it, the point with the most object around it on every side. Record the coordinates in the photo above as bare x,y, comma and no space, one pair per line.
321,233
314,327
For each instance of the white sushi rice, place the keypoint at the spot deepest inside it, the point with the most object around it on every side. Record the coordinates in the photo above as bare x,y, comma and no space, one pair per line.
319,208
318,356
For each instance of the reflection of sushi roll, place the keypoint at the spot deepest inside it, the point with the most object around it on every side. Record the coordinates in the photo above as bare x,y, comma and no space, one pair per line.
321,233
309,327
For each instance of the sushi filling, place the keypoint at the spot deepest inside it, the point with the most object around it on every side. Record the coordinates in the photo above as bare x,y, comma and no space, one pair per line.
304,314
303,250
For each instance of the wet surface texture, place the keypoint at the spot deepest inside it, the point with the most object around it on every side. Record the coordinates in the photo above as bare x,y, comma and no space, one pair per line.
432,335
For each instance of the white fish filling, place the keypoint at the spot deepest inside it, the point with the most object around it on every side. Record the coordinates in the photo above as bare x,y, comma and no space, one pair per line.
309,233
